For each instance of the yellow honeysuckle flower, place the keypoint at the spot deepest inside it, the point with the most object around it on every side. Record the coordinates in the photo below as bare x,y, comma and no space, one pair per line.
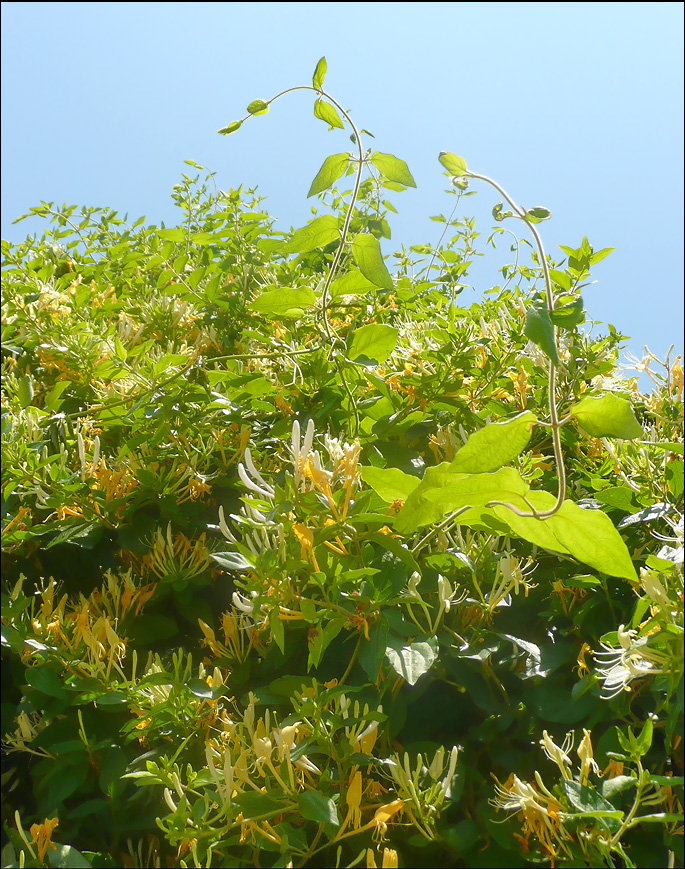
41,834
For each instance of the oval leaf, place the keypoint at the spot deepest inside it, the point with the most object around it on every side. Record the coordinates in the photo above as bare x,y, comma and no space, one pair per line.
495,445
316,807
607,416
535,215
327,113
366,251
412,661
540,329
456,166
393,168
374,343
332,168
318,233
390,483
231,128
350,284
319,73
283,303
258,107
570,315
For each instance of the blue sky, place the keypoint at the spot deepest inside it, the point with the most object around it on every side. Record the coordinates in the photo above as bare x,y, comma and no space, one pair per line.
574,106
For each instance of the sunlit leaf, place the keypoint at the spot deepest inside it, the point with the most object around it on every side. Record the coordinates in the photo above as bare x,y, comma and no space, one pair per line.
319,73
320,232
540,330
455,165
366,251
257,107
607,416
332,168
393,168
494,445
373,343
326,112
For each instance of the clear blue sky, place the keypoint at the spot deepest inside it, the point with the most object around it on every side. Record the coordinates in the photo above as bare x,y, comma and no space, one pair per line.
574,106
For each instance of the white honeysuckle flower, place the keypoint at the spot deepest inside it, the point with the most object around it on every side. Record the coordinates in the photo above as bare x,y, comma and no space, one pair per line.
435,768
299,452
169,800
446,784
305,763
653,588
242,603
587,761
242,473
558,755
622,666
255,473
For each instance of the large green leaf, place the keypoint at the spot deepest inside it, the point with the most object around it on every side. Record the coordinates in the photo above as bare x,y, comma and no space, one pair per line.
316,807
390,483
455,165
318,233
393,168
332,168
351,283
412,661
495,445
540,329
539,532
366,250
590,536
607,416
284,304
568,315
373,343
443,491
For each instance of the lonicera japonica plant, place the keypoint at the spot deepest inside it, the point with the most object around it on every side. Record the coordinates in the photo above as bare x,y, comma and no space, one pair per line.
307,563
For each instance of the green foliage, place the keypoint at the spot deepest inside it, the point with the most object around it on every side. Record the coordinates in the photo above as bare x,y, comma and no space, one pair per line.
308,562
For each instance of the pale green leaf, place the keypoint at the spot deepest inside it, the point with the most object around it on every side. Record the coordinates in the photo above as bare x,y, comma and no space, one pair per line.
327,113
393,168
373,342
319,73
540,330
231,128
351,283
366,250
495,445
455,165
284,303
332,168
412,661
390,484
318,233
607,416
258,107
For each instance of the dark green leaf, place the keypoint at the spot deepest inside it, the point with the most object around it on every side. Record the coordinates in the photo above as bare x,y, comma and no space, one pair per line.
316,807
568,316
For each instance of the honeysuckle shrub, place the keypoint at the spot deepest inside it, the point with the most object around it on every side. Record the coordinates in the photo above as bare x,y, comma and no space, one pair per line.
305,564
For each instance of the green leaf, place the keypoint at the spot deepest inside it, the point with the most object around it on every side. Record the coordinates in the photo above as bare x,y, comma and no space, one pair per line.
350,284
258,107
456,166
495,445
319,73
541,533
568,316
277,631
319,642
332,168
325,111
366,251
589,802
390,484
644,740
231,128
68,857
607,416
412,661
255,805
535,215
393,168
374,342
540,330
316,807
372,651
590,536
25,390
443,491
284,304
318,233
